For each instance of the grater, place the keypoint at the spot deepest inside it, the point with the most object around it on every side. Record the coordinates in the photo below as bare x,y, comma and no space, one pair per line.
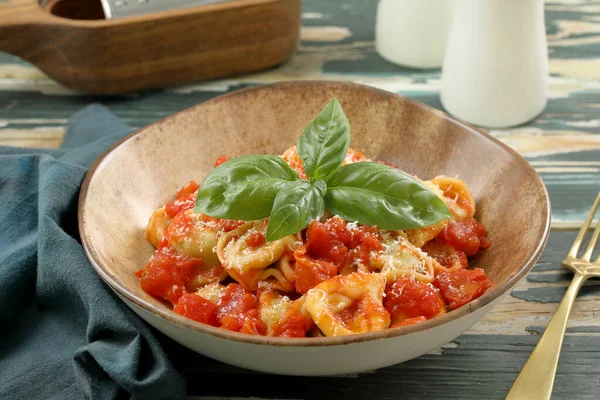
127,8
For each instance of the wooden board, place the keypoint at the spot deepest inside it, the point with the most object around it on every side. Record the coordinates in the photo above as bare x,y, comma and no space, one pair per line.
563,144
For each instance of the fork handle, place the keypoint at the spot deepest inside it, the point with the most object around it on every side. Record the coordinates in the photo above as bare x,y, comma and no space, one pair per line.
536,379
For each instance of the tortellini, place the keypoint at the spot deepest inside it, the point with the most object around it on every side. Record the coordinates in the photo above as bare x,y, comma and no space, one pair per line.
457,197
250,265
157,226
212,292
349,304
401,258
190,235
275,308
418,237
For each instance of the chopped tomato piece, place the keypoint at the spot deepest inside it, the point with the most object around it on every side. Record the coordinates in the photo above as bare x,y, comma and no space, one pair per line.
310,272
462,286
167,273
238,311
365,242
197,308
407,298
185,199
220,160
467,236
292,325
328,241
255,239
410,321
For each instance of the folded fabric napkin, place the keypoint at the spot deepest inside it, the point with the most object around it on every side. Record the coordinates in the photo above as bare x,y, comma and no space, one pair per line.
63,333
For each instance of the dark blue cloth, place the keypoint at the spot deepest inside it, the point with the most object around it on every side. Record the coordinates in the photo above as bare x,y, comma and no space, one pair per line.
63,333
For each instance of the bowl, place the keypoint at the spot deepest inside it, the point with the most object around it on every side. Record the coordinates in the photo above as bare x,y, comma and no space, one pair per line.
144,170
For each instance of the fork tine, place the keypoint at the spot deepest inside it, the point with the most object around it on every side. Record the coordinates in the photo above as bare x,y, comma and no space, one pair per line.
583,231
590,247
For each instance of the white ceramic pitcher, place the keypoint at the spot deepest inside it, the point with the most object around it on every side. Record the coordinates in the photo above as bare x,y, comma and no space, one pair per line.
495,71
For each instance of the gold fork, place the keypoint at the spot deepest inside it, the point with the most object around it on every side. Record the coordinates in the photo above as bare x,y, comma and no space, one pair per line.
536,379
537,376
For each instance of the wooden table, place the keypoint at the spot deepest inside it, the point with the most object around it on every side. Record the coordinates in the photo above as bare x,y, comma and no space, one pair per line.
563,144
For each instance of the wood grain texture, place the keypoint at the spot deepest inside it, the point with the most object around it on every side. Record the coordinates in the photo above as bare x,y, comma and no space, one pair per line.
337,42
154,50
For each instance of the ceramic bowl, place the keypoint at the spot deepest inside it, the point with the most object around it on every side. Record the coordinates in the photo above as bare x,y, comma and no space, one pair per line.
144,171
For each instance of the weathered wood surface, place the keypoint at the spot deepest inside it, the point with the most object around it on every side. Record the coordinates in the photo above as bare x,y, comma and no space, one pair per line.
563,144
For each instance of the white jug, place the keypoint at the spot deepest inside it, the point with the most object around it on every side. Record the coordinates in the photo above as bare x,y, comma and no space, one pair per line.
495,70
413,33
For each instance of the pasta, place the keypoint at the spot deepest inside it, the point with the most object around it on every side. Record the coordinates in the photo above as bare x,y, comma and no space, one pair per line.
332,278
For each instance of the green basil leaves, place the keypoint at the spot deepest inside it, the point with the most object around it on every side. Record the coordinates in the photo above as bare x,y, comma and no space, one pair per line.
244,188
376,194
258,186
324,143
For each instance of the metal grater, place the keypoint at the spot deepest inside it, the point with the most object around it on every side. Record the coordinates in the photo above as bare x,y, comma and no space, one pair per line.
127,8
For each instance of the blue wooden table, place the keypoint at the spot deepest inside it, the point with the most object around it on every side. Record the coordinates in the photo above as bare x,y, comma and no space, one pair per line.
563,144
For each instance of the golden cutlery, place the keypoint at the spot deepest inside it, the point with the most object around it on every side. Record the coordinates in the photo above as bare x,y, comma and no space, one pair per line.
536,379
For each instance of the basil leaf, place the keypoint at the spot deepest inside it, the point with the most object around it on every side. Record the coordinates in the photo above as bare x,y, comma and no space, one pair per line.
324,143
244,188
296,205
376,194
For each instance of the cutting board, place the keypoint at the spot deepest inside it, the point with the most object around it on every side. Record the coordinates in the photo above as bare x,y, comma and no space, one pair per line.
72,43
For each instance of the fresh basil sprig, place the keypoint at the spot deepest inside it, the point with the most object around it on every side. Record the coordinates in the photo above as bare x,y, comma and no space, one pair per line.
258,186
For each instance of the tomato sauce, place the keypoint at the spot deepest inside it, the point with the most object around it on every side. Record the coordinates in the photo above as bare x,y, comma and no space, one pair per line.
256,239
293,324
221,160
238,311
310,272
407,298
167,273
328,241
462,286
467,236
197,308
185,199
331,246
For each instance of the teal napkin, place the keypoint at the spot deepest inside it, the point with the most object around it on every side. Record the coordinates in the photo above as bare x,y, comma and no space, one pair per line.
63,333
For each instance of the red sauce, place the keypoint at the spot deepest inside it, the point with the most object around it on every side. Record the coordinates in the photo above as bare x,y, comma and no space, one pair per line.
310,272
164,241
467,236
185,199
365,241
167,273
462,286
409,321
348,314
446,255
238,311
330,246
220,160
197,308
293,324
256,239
180,227
407,298
328,241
